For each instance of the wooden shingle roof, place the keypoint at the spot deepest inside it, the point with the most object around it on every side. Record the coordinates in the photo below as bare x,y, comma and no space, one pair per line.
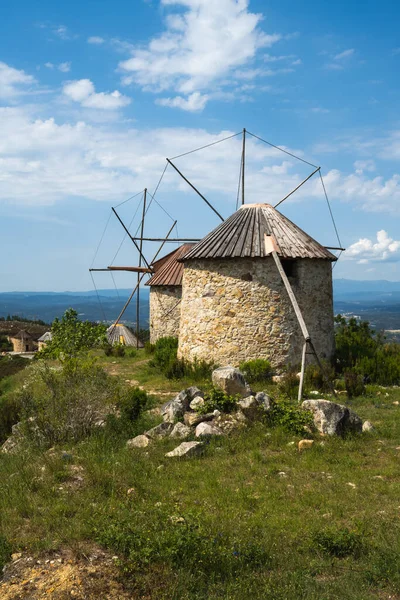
171,271
242,235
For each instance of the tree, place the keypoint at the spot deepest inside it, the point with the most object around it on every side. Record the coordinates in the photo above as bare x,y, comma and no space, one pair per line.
70,336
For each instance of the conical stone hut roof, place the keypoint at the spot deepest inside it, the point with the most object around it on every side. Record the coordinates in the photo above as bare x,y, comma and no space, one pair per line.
242,235
117,334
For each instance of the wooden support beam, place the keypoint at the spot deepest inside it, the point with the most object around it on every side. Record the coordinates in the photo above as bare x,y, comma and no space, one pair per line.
195,189
303,368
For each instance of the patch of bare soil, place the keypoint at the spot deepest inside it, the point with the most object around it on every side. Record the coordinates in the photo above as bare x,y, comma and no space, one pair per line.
93,575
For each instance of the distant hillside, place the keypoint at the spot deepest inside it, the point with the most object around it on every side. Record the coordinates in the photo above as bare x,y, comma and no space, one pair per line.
49,305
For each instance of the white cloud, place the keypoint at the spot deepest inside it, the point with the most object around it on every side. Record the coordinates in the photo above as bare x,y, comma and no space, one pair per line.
83,91
200,48
385,249
13,82
193,103
364,165
95,39
344,54
62,32
64,67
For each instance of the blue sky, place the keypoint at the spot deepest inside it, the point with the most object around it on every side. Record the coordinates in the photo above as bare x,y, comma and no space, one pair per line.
95,95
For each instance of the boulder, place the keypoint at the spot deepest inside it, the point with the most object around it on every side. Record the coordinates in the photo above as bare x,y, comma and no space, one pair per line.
196,403
231,381
305,444
228,423
250,408
188,449
367,427
160,431
180,431
174,410
194,392
277,378
140,441
333,419
207,430
264,401
191,419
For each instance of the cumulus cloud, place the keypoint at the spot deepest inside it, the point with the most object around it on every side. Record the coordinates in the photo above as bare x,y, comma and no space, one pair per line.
200,47
385,249
64,67
13,82
83,91
193,103
95,39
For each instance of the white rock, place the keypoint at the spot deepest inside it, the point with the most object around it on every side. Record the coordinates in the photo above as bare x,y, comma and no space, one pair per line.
331,418
231,381
207,430
193,419
367,426
187,449
250,408
197,403
180,431
140,441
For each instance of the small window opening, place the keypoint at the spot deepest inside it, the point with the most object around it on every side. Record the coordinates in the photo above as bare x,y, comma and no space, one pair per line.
289,266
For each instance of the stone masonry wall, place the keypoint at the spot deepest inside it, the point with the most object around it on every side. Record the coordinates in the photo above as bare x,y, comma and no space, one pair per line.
22,345
165,311
238,309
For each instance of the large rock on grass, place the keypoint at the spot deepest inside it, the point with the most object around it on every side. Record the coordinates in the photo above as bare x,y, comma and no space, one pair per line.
333,419
231,381
188,449
181,431
160,431
174,410
207,430
140,441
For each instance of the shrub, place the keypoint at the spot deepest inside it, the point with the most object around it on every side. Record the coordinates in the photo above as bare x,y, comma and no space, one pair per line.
10,414
289,384
70,336
196,371
216,399
149,347
354,383
118,350
165,351
5,345
338,542
131,352
108,349
256,370
132,404
316,378
65,405
9,365
290,416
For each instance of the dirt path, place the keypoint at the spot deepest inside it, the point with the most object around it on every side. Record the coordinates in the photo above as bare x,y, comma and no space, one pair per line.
61,576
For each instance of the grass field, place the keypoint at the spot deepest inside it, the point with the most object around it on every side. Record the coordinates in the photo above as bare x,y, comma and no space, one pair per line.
251,518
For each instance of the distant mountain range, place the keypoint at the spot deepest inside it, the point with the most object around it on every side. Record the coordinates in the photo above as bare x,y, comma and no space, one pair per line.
377,301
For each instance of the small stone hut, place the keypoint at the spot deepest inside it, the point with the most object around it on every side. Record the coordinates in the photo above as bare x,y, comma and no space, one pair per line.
234,304
44,340
166,294
23,342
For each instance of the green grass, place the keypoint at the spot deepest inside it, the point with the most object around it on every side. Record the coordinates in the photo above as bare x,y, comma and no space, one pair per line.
226,525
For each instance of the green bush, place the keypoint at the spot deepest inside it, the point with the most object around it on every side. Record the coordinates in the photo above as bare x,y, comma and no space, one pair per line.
289,416
165,353
66,405
216,399
338,542
118,350
132,404
149,348
9,365
289,384
5,345
10,414
354,383
255,370
316,378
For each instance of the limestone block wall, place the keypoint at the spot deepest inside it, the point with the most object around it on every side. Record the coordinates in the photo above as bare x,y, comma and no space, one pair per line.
238,309
165,311
26,345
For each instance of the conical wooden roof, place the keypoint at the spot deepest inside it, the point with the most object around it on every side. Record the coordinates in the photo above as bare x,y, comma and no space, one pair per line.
120,334
170,272
242,235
